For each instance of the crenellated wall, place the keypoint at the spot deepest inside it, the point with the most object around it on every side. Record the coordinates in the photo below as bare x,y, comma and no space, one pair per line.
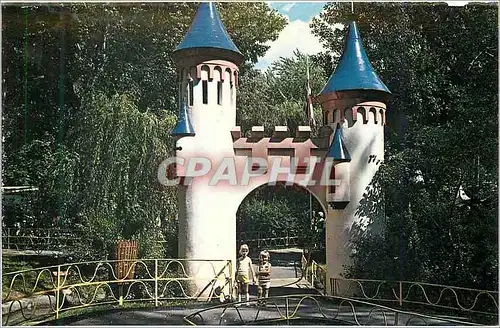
373,112
303,157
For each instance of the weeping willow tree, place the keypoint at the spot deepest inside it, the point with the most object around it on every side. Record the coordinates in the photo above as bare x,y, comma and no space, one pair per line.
113,183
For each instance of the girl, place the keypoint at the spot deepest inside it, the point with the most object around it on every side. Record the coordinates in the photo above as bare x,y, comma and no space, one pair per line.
243,268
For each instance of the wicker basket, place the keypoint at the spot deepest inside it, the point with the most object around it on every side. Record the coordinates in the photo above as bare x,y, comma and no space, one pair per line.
126,250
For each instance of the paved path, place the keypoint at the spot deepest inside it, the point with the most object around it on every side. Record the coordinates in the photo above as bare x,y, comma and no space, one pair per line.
308,313
175,315
281,275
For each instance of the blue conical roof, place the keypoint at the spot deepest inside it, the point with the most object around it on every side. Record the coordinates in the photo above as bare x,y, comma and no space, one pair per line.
338,150
207,31
183,127
354,71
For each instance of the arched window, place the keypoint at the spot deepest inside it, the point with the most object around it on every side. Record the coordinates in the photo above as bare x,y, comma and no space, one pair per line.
331,189
190,92
204,86
219,92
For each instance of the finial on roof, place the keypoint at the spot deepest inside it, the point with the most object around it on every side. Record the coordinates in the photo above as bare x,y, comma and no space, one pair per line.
354,70
183,128
338,150
208,31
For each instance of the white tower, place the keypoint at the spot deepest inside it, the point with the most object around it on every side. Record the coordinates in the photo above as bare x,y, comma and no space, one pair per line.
353,103
207,62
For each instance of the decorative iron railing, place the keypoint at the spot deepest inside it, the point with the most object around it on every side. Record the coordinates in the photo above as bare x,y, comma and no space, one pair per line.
278,239
43,294
37,239
316,275
312,310
417,294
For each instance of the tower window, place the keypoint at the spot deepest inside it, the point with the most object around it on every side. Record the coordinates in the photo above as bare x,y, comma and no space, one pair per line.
190,91
219,93
205,91
301,169
325,117
331,189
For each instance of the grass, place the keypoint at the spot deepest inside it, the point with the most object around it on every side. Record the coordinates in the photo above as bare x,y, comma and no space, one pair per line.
11,264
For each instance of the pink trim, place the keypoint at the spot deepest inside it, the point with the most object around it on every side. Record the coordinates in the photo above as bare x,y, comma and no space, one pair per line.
375,114
354,111
198,72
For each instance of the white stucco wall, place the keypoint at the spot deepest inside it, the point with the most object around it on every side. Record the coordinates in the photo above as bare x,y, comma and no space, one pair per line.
206,223
362,140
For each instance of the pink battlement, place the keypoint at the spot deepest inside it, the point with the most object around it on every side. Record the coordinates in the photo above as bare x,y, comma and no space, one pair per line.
281,143
370,111
303,156
222,66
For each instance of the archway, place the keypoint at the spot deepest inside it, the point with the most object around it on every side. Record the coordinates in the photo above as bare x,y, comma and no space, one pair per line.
286,221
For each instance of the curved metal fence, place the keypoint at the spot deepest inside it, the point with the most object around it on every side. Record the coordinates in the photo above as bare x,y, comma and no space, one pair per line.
43,294
280,239
312,310
47,293
410,294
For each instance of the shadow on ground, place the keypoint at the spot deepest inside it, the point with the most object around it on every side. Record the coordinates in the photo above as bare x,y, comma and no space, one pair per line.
126,317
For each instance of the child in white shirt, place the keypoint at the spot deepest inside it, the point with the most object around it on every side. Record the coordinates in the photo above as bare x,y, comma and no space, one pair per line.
243,269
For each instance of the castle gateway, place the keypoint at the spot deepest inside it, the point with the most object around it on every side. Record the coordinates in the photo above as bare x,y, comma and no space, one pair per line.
351,145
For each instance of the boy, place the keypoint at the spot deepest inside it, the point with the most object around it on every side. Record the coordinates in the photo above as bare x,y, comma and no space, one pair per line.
243,268
264,275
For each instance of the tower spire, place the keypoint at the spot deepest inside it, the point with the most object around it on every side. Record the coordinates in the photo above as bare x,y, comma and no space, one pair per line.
338,150
354,70
183,128
206,34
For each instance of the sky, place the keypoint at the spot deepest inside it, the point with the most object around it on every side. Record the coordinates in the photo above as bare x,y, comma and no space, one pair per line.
299,15
297,34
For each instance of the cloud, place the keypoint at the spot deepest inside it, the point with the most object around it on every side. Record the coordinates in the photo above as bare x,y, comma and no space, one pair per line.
288,6
296,35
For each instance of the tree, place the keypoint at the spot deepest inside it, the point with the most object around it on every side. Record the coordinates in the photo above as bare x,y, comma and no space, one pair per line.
441,66
278,95
277,208
75,74
115,192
